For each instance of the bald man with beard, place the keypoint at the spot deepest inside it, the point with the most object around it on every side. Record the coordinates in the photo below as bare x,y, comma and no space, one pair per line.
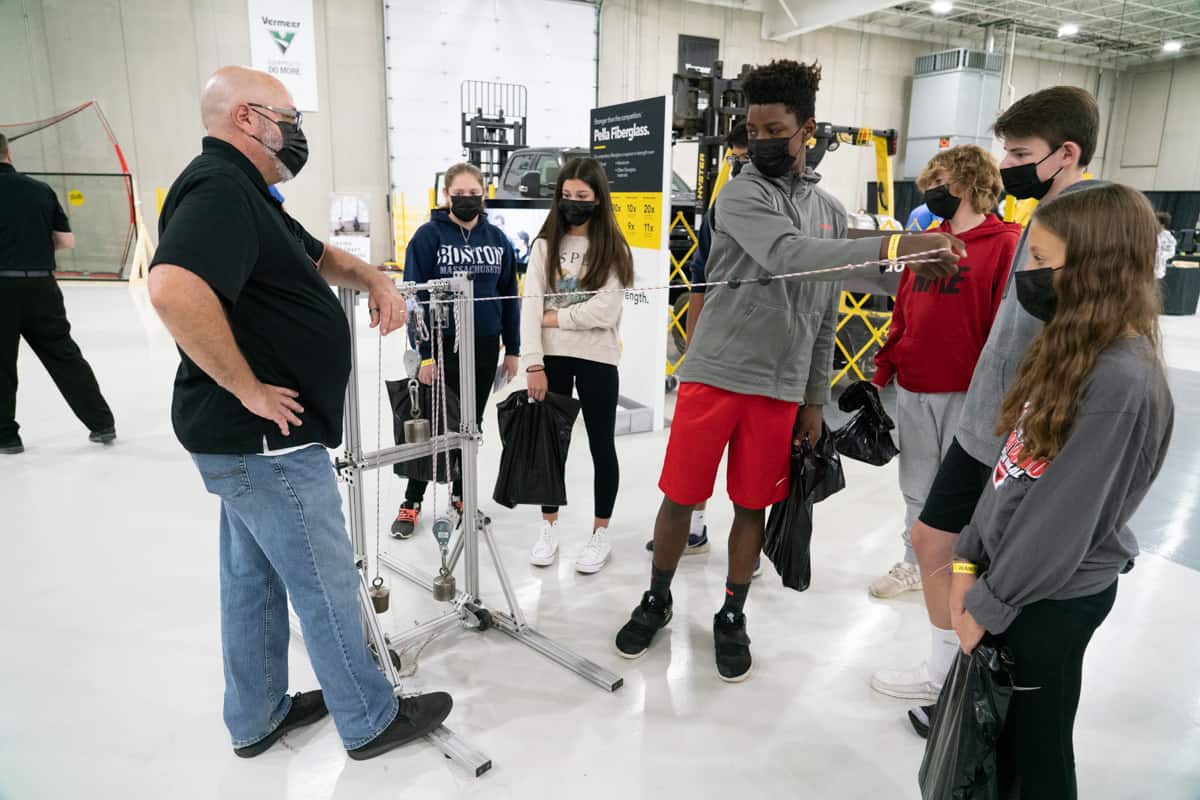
259,394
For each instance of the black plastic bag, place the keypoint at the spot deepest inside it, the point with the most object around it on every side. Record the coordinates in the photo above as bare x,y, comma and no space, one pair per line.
960,755
816,473
866,437
536,437
824,476
421,469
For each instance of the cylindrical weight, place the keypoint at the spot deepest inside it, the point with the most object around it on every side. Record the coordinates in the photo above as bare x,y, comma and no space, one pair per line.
416,431
380,595
444,588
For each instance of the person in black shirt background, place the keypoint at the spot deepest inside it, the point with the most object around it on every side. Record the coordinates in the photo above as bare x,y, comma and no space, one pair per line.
33,226
259,395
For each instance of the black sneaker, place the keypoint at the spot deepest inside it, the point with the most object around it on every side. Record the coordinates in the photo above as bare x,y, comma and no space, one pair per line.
633,640
697,544
921,718
418,716
307,708
732,646
406,520
106,436
12,446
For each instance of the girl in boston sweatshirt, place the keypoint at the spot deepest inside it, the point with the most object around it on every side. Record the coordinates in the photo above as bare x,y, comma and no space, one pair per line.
459,238
1088,422
572,341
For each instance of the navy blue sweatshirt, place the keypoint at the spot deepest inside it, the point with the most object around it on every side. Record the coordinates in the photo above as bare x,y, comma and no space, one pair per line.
441,248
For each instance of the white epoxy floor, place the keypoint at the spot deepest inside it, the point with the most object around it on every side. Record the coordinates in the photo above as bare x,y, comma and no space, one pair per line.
110,666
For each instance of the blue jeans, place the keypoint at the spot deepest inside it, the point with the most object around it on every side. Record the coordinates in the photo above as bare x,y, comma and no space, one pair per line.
282,532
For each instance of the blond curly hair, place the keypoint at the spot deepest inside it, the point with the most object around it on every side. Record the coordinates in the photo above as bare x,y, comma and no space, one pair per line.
972,169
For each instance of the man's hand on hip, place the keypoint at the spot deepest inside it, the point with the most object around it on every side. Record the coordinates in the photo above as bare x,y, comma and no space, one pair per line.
275,403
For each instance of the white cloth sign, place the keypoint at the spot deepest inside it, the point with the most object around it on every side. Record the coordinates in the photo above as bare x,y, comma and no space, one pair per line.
283,43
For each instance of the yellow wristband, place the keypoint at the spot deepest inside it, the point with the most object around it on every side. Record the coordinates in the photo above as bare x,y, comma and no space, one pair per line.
963,568
893,247
429,362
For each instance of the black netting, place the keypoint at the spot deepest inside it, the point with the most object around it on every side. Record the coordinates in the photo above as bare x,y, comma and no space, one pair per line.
76,153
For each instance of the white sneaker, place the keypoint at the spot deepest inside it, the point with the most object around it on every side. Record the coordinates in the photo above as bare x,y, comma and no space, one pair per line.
545,549
902,577
595,553
912,684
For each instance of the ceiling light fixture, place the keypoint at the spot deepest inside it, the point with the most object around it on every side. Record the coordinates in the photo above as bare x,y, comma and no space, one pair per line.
941,6
1172,47
1067,30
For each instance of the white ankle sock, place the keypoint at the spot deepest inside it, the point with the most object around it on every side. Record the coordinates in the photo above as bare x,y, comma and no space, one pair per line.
697,523
943,648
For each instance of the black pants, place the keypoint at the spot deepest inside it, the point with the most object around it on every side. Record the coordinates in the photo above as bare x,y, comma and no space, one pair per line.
1036,751
598,385
487,355
33,308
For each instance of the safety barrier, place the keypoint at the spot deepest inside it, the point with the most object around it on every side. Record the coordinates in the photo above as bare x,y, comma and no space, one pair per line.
851,308
677,323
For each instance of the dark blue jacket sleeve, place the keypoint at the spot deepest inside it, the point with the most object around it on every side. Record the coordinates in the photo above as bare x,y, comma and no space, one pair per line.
700,257
418,268
510,320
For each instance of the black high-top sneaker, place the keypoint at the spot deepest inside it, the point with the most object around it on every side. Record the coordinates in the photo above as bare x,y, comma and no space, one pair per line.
647,619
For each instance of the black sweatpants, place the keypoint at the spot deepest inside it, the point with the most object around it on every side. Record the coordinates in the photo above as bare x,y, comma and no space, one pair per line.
598,385
33,308
487,356
1036,751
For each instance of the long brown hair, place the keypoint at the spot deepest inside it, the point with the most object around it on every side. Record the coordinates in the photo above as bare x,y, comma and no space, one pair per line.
1105,289
608,252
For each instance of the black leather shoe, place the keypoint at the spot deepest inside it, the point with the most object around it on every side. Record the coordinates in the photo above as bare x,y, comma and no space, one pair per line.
418,716
106,436
307,708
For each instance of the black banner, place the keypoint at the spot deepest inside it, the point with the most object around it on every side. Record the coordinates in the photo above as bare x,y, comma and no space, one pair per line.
698,54
628,140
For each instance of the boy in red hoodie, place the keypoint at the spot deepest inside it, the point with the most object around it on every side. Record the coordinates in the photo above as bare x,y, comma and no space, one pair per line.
939,329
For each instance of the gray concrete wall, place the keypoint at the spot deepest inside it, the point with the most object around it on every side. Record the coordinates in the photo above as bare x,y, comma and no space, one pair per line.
1156,127
145,61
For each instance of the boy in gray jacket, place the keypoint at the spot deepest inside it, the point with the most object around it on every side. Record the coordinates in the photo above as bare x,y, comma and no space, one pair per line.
762,349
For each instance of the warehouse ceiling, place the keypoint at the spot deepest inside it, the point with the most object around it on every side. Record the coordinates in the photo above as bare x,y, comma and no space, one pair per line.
1126,31
1109,32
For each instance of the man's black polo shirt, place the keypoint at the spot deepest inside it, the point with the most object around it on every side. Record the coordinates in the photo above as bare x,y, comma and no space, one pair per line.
220,222
29,215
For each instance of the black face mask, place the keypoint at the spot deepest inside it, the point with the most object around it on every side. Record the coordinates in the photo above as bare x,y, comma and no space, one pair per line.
1036,293
293,152
736,168
1023,183
576,212
941,202
772,157
466,206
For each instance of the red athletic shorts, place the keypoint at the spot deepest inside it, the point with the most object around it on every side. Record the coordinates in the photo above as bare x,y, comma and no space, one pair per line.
758,431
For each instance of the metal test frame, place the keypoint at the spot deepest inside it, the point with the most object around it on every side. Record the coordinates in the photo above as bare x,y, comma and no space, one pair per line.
467,610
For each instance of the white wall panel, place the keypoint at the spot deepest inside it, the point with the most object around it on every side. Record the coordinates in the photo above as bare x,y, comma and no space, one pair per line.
548,46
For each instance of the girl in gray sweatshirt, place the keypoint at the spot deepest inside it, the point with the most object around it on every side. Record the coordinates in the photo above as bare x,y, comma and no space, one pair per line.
1086,427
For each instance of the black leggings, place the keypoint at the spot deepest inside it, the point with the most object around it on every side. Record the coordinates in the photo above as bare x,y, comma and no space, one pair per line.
487,355
598,385
1036,751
